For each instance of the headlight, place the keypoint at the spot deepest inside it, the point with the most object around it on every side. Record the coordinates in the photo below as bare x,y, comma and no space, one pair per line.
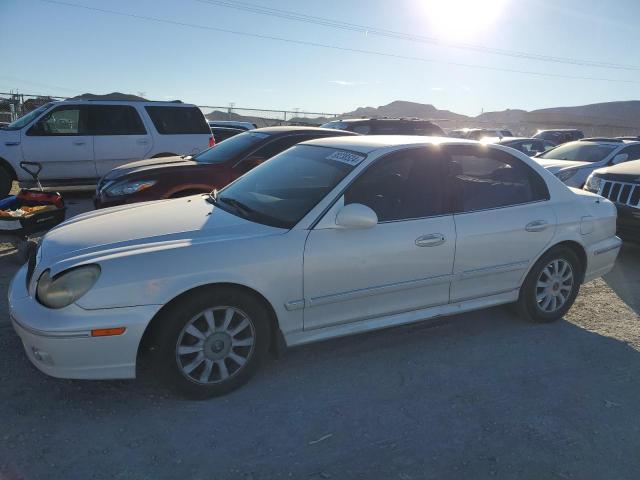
66,287
593,183
565,175
127,188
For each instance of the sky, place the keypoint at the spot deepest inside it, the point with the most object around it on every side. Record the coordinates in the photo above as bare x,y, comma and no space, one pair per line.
56,49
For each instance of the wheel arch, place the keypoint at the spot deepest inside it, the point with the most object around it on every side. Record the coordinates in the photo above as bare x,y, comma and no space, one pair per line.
277,339
574,246
9,168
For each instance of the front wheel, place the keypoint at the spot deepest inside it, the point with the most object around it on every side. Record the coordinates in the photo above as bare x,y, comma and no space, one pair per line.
551,286
212,342
5,182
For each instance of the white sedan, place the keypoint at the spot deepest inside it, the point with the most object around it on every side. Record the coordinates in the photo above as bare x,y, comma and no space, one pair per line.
330,238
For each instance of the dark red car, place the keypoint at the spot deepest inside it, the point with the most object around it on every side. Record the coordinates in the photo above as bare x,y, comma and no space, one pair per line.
172,177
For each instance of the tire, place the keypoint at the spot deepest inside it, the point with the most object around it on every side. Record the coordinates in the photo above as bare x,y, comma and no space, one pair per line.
198,362
561,271
6,180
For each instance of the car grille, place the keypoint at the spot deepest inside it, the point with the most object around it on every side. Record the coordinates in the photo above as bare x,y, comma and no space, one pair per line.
622,193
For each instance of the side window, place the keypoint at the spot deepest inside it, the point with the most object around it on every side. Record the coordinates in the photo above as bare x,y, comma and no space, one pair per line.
280,145
115,120
364,129
483,178
178,120
402,186
633,152
64,120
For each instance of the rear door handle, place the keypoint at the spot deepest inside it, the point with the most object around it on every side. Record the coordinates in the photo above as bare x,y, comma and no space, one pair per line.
431,240
79,142
537,226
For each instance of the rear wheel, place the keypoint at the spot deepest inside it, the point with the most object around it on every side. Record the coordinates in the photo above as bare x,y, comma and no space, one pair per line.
212,342
551,286
6,179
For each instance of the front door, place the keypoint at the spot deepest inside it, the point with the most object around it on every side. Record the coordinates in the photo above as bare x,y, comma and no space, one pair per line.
503,220
119,136
60,142
403,263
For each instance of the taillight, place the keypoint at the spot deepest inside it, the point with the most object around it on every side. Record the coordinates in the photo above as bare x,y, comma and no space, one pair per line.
212,141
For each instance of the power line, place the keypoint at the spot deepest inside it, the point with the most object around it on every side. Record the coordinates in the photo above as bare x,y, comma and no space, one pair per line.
369,30
336,47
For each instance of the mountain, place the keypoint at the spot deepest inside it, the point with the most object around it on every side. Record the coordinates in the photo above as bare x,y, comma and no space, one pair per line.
610,118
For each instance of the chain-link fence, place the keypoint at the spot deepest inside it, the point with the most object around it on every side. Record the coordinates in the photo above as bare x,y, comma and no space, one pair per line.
14,105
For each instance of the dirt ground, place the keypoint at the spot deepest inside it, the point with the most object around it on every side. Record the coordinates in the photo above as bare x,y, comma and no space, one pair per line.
479,395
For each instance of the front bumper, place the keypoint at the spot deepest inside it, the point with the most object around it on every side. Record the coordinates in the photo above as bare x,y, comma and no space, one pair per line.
59,342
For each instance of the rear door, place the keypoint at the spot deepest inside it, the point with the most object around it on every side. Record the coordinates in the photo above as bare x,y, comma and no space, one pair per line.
60,142
119,136
502,216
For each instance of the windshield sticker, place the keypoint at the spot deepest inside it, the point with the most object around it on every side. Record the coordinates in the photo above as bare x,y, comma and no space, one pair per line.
349,158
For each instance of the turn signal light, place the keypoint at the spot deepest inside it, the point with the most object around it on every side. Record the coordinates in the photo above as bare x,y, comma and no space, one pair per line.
107,332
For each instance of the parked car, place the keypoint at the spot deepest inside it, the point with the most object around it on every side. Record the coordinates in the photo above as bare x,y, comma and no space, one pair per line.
232,124
222,133
480,133
333,237
528,146
172,177
387,126
560,136
78,141
621,185
573,162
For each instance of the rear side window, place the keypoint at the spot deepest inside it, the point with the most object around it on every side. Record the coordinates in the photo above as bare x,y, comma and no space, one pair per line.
178,120
115,120
484,178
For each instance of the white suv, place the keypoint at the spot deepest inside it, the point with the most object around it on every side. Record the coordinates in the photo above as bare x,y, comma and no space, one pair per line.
79,141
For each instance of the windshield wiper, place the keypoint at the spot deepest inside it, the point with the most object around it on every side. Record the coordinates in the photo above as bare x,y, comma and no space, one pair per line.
238,205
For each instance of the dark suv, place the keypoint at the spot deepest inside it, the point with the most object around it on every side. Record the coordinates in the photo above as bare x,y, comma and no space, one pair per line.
560,136
620,184
387,126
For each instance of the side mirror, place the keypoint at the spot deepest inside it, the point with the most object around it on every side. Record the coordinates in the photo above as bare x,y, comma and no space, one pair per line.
621,157
356,215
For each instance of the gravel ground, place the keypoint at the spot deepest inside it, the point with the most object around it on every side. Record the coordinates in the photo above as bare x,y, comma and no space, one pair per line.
479,395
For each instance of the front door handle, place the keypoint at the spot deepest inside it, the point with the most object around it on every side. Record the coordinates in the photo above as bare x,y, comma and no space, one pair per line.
431,240
142,141
79,142
537,226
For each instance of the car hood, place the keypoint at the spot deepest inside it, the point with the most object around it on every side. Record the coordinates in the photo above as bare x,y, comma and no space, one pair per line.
625,168
148,225
150,165
556,165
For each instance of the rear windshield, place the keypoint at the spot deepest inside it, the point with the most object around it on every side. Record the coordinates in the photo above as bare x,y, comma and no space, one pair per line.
580,151
178,120
231,148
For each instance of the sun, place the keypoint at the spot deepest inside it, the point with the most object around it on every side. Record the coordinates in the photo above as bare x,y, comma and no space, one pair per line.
461,19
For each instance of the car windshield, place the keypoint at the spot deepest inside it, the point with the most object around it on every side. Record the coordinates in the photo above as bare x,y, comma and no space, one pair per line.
26,119
580,151
335,125
231,148
282,190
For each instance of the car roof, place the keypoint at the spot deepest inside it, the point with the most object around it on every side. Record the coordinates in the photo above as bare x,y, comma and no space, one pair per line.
369,143
159,103
288,129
